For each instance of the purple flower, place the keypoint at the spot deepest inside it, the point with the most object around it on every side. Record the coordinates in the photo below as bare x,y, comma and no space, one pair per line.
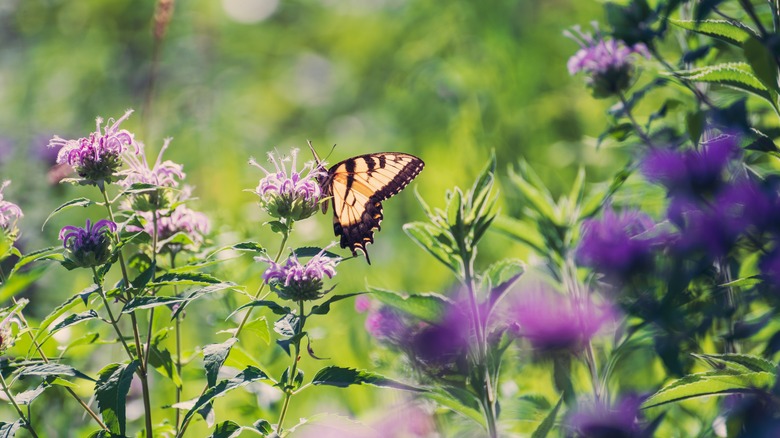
9,213
600,421
608,63
290,194
618,244
385,323
745,205
294,281
163,174
551,321
178,229
691,171
441,349
770,267
362,304
89,246
97,157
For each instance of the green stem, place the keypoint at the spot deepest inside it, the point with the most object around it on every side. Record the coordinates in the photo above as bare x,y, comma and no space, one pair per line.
114,322
178,347
68,389
488,391
141,371
289,389
7,392
155,237
627,111
262,285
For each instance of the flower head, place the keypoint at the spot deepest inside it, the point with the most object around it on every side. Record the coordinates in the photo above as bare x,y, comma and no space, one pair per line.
290,194
89,246
9,216
608,63
97,157
551,321
294,281
386,324
441,349
163,174
616,244
691,171
618,421
178,229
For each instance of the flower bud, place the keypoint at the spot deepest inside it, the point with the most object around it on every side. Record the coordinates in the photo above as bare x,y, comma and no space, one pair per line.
89,246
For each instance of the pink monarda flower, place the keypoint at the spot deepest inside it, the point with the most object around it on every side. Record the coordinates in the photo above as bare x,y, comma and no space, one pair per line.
294,281
89,246
97,157
178,229
290,194
163,174
552,321
607,63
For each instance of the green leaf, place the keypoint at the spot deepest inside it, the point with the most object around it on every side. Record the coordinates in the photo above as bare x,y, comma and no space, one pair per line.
27,397
739,362
160,358
344,377
324,307
248,375
147,302
429,307
443,398
249,246
438,243
264,427
53,369
8,430
737,75
763,63
226,429
51,252
274,306
501,276
140,282
214,356
710,383
62,308
694,123
19,282
79,202
259,327
111,392
311,251
732,33
74,319
184,279
522,231
547,424
194,294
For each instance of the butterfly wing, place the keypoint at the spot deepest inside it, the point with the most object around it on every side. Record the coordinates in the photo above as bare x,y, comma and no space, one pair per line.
359,185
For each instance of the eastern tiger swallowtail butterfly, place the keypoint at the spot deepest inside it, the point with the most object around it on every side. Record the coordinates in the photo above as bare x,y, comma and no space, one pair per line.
358,185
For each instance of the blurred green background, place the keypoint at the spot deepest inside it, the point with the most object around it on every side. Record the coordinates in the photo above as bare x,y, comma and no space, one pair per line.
447,81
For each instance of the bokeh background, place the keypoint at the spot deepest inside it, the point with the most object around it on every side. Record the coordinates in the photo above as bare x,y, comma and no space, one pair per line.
447,81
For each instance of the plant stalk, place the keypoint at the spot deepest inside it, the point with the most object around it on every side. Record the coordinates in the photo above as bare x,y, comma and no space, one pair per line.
289,389
24,418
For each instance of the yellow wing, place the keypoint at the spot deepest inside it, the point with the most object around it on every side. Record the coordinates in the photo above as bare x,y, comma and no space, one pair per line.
359,185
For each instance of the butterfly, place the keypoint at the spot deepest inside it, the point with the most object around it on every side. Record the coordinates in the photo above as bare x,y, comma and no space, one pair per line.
357,186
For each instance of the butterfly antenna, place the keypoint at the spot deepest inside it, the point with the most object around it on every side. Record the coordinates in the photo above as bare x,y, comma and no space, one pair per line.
331,151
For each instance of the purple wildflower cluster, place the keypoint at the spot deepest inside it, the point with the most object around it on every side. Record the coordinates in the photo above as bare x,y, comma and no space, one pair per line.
608,63
294,281
89,246
163,174
598,420
97,158
290,194
552,321
618,244
177,229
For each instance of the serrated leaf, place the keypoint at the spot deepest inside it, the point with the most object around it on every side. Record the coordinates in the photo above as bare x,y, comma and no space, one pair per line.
78,202
430,307
447,400
248,375
344,377
436,242
41,254
311,251
324,307
74,319
226,429
184,279
710,383
272,305
148,302
214,356
249,246
259,327
27,397
62,308
549,421
740,362
733,74
501,276
111,393
53,369
140,282
732,33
